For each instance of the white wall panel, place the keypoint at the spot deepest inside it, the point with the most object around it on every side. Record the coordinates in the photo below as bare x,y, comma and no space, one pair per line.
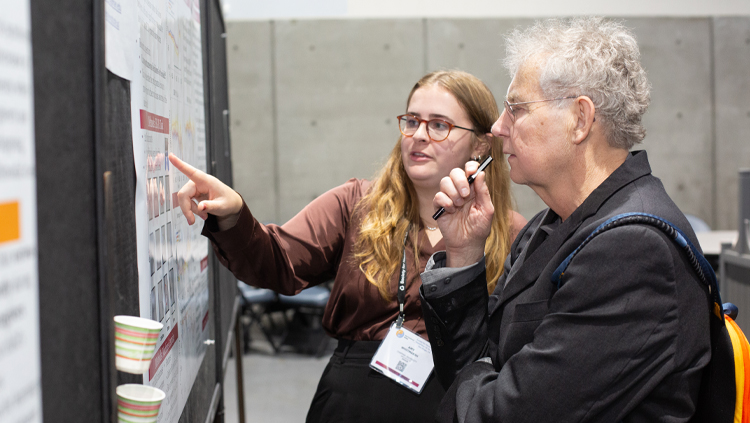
676,55
340,85
249,68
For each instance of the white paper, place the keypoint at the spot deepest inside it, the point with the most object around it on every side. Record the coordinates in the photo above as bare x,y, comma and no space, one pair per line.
167,114
120,37
20,360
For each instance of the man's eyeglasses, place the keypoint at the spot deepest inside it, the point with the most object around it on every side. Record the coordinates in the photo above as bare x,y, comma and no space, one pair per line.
437,129
509,107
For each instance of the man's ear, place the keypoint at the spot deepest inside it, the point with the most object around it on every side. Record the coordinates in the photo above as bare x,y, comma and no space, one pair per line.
585,118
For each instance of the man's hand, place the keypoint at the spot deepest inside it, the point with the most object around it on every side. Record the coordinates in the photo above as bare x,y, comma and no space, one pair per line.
467,220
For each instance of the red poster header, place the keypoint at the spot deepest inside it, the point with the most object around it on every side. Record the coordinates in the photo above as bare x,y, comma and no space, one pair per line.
162,352
155,123
204,263
205,320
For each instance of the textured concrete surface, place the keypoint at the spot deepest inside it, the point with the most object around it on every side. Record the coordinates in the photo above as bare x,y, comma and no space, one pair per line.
313,102
251,105
732,59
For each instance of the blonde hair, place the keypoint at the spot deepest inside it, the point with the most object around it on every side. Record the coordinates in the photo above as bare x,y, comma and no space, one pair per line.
392,206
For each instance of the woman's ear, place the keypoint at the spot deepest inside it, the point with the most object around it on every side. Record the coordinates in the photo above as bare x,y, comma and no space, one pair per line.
482,147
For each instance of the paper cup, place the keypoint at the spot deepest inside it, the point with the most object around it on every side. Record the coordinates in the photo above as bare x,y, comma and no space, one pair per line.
138,403
135,341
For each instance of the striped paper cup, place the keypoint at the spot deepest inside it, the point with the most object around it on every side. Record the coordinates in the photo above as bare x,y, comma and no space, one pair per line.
135,342
138,403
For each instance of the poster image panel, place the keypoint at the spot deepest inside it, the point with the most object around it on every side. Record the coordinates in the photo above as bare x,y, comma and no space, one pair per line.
160,293
167,193
169,238
154,311
163,244
171,286
157,249
161,194
149,201
151,247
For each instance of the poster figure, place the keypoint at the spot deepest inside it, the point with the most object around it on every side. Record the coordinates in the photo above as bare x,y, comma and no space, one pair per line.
157,249
171,286
167,193
169,238
154,312
165,287
149,201
163,245
160,294
151,253
166,157
154,197
161,194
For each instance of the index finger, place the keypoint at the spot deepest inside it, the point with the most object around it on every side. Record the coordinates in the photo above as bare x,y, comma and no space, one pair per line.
183,167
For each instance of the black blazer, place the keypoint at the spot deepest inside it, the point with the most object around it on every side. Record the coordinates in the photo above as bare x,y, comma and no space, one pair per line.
624,339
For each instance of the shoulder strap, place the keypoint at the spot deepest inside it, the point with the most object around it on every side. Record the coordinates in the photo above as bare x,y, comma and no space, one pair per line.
698,262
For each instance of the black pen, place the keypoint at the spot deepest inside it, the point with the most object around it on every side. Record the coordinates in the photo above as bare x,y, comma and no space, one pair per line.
471,178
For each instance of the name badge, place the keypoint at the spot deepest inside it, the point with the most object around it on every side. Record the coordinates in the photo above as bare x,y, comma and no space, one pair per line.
404,357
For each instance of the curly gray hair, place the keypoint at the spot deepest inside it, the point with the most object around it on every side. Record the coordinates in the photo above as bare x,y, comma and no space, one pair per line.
593,57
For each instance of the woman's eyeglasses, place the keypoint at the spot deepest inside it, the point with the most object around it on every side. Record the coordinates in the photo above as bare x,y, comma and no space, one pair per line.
437,129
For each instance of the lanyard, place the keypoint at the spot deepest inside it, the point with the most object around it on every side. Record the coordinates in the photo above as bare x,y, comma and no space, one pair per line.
401,294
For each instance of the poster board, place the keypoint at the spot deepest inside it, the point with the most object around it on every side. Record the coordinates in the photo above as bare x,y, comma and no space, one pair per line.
85,172
167,115
176,97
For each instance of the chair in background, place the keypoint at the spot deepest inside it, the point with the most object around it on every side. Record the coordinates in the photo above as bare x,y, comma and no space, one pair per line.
256,303
305,331
698,224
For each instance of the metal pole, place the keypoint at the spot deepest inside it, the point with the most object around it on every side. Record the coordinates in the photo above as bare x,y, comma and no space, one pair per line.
238,366
743,212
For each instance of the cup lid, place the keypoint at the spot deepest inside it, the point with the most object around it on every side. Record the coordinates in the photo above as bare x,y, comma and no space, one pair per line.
139,322
142,393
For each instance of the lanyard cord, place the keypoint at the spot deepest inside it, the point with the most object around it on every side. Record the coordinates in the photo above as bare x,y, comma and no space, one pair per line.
401,294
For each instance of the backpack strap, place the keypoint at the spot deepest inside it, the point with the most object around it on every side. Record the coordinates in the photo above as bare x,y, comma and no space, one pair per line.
699,263
725,386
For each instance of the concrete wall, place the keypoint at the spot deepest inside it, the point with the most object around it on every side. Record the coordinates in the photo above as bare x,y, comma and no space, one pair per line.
313,102
396,9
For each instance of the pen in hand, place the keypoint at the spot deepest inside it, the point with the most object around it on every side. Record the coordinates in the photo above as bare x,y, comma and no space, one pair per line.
471,178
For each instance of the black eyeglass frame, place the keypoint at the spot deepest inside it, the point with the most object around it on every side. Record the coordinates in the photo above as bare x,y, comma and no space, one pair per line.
512,113
427,122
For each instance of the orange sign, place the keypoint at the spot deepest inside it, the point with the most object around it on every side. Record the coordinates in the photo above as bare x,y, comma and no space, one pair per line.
10,225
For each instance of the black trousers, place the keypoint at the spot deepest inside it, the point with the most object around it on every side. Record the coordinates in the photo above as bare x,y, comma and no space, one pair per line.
350,391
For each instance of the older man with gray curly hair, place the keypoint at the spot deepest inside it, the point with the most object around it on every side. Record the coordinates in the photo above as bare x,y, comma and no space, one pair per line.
625,335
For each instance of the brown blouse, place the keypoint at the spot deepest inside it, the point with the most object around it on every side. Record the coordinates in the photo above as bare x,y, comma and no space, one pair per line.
316,246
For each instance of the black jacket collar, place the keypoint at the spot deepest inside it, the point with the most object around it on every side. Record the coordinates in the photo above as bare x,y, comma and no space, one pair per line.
537,259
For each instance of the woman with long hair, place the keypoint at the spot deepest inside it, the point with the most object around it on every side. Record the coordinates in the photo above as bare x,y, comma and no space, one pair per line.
361,234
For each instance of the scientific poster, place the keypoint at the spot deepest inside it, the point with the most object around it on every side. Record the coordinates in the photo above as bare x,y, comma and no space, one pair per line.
20,360
168,116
